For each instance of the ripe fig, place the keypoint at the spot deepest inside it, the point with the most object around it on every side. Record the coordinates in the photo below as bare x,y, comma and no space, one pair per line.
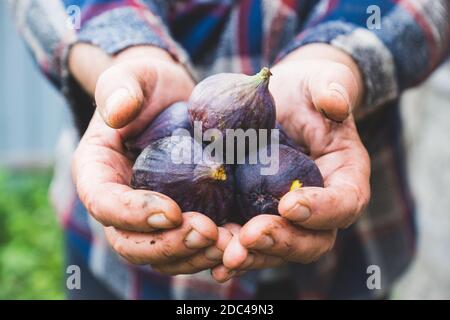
164,125
233,101
168,166
260,194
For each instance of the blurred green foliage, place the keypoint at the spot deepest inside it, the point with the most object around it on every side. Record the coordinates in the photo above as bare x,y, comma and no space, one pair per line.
31,252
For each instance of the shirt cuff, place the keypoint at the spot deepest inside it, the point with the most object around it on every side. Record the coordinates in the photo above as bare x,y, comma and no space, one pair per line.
367,50
114,31
118,29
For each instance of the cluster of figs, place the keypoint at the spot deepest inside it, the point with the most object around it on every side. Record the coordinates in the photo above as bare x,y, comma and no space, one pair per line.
222,191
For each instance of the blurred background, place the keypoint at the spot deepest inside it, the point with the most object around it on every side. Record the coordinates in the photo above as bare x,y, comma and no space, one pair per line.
33,115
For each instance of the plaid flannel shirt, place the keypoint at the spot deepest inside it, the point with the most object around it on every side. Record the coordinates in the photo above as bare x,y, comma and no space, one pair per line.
242,36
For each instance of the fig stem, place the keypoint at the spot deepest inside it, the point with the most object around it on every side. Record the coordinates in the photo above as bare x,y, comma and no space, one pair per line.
264,74
219,174
296,184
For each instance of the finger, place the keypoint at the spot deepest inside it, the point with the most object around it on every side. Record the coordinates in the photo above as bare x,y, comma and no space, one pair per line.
334,91
340,203
215,252
235,254
222,274
206,259
197,232
237,257
275,236
119,206
196,263
121,89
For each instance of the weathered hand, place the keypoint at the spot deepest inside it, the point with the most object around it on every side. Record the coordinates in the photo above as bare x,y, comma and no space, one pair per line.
144,227
194,246
309,217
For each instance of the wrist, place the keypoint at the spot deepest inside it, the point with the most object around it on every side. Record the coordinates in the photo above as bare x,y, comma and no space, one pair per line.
143,51
87,62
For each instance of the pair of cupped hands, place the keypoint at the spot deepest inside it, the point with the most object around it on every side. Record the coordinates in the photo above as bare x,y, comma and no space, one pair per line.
310,86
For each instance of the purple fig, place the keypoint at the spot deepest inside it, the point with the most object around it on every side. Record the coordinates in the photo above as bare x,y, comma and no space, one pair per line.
168,166
260,194
164,125
233,101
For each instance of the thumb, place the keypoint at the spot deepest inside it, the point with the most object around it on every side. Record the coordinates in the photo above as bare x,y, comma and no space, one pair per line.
334,91
120,92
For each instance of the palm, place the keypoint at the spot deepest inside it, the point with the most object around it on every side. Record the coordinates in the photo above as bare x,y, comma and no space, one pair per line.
335,147
102,171
340,156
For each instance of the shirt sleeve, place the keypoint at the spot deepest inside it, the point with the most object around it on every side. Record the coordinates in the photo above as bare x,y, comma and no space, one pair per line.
395,52
50,28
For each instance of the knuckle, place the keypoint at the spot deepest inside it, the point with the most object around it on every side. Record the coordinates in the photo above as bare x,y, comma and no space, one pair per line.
167,250
126,199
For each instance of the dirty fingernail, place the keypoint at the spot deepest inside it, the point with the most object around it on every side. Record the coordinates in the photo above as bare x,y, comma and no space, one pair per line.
194,240
159,221
264,242
116,99
298,213
213,253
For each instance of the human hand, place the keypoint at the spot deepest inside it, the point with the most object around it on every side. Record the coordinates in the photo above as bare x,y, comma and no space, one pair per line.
326,80
144,227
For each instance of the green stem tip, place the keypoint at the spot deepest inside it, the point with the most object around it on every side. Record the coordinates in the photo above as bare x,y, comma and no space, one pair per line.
264,74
